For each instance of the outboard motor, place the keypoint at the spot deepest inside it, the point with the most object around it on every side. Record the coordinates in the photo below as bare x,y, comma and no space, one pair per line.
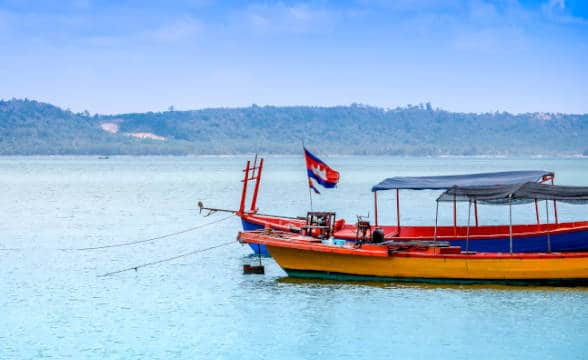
378,236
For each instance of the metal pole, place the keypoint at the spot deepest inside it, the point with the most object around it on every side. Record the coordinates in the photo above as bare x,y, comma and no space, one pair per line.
398,210
468,230
436,220
547,226
376,207
310,194
476,211
510,221
555,207
454,215
309,180
537,212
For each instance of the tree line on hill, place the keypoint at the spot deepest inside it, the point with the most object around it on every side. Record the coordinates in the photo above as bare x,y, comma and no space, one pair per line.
33,128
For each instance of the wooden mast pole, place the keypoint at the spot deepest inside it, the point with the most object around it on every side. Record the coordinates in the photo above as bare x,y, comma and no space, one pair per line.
244,194
257,181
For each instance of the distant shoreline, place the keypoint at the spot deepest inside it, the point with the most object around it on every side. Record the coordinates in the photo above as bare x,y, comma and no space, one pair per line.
108,157
33,128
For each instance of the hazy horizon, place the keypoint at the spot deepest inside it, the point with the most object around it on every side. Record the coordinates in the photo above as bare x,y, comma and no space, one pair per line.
406,106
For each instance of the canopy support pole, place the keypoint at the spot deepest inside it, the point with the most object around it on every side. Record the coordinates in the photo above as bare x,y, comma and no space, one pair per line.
476,211
555,207
398,210
555,211
547,226
436,220
454,215
468,230
537,212
376,207
510,222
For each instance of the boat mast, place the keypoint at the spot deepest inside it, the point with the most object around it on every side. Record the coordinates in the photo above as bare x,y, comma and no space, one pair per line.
257,178
244,194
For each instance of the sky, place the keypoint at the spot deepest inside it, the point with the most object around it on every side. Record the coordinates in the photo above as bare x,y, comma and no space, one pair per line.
137,55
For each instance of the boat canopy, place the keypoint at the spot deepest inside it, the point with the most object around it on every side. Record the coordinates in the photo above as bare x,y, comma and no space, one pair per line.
518,193
448,181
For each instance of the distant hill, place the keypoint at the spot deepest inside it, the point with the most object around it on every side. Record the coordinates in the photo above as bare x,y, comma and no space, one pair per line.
30,127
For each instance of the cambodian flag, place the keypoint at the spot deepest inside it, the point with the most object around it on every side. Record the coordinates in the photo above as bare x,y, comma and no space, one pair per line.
320,171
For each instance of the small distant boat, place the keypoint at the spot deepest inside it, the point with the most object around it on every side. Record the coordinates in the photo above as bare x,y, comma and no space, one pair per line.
103,157
417,261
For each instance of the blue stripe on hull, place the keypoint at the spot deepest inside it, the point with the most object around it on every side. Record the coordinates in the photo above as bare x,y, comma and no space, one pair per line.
248,226
575,241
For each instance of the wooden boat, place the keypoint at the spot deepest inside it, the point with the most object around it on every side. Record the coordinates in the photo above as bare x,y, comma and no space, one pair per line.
309,257
564,236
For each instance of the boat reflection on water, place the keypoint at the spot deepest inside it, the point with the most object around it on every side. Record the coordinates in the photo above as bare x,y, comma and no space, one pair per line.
309,282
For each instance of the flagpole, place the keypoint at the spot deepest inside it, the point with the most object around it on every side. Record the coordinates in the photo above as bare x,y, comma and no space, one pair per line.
308,177
310,196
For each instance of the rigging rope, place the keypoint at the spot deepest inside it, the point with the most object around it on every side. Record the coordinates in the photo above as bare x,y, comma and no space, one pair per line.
166,260
150,239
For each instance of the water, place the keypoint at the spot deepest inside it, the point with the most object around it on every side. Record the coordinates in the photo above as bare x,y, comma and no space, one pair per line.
53,304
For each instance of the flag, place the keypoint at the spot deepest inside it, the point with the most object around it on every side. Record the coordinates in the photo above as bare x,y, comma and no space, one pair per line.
320,172
311,185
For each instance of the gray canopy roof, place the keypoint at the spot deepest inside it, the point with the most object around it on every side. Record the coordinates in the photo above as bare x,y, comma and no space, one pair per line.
448,181
518,193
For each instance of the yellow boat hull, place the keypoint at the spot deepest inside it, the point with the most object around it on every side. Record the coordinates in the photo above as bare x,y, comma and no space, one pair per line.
548,269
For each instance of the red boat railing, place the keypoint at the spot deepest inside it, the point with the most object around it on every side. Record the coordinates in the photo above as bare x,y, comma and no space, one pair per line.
252,173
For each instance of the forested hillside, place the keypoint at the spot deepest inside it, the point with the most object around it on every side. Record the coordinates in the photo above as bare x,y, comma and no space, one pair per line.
30,127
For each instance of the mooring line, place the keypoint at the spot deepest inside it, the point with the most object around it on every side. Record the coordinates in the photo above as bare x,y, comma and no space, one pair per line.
166,260
151,239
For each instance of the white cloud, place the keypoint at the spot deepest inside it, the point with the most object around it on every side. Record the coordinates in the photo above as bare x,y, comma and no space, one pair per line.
556,11
297,18
180,29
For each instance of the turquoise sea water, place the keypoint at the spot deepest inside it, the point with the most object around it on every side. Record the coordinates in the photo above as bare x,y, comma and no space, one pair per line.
53,304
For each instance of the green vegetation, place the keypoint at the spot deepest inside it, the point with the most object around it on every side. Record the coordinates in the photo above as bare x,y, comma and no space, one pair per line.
30,127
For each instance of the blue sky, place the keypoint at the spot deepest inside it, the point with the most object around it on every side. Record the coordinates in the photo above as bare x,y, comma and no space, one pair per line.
135,56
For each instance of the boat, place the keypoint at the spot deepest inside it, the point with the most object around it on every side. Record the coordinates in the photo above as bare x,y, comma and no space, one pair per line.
316,252
308,257
565,236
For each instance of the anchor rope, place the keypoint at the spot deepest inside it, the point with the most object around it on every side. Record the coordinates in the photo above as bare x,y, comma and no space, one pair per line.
128,243
167,259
